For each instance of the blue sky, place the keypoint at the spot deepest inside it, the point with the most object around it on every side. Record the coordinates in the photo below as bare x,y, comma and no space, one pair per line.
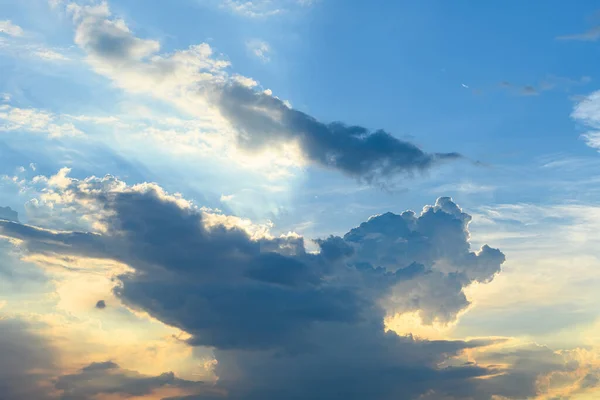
289,130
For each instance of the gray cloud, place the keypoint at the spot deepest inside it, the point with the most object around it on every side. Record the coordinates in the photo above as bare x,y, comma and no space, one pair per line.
26,361
9,214
29,370
101,304
549,83
265,121
108,378
285,323
260,119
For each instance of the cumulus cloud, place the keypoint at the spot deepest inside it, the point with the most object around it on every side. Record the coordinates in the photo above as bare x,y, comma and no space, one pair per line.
198,82
272,311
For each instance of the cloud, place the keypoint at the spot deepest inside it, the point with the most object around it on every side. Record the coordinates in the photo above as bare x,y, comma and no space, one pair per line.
109,379
50,55
10,29
34,120
259,48
591,35
263,8
587,113
27,362
266,121
529,90
9,214
101,304
549,83
197,82
283,323
30,369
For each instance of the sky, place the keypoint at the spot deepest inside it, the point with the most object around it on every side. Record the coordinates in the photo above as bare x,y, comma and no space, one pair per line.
299,199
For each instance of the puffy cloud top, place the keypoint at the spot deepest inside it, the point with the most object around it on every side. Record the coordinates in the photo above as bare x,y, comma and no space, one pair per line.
269,308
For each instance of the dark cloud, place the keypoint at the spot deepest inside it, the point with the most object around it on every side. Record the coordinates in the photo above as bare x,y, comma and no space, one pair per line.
106,378
101,304
9,214
29,370
265,121
285,323
529,364
260,119
26,362
425,259
108,39
529,90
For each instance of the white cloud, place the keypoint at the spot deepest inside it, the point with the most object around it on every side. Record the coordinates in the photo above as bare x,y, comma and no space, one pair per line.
260,49
10,29
34,120
252,9
587,112
50,55
260,8
245,81
17,45
592,139
464,187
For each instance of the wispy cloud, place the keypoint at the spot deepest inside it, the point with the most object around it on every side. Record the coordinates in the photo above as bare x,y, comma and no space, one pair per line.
587,113
10,29
50,55
549,83
263,8
34,120
591,35
260,49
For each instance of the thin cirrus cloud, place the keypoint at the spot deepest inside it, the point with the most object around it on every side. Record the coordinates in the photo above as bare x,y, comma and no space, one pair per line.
195,80
592,35
263,8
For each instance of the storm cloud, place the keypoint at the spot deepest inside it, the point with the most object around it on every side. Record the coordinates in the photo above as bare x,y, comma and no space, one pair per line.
284,323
